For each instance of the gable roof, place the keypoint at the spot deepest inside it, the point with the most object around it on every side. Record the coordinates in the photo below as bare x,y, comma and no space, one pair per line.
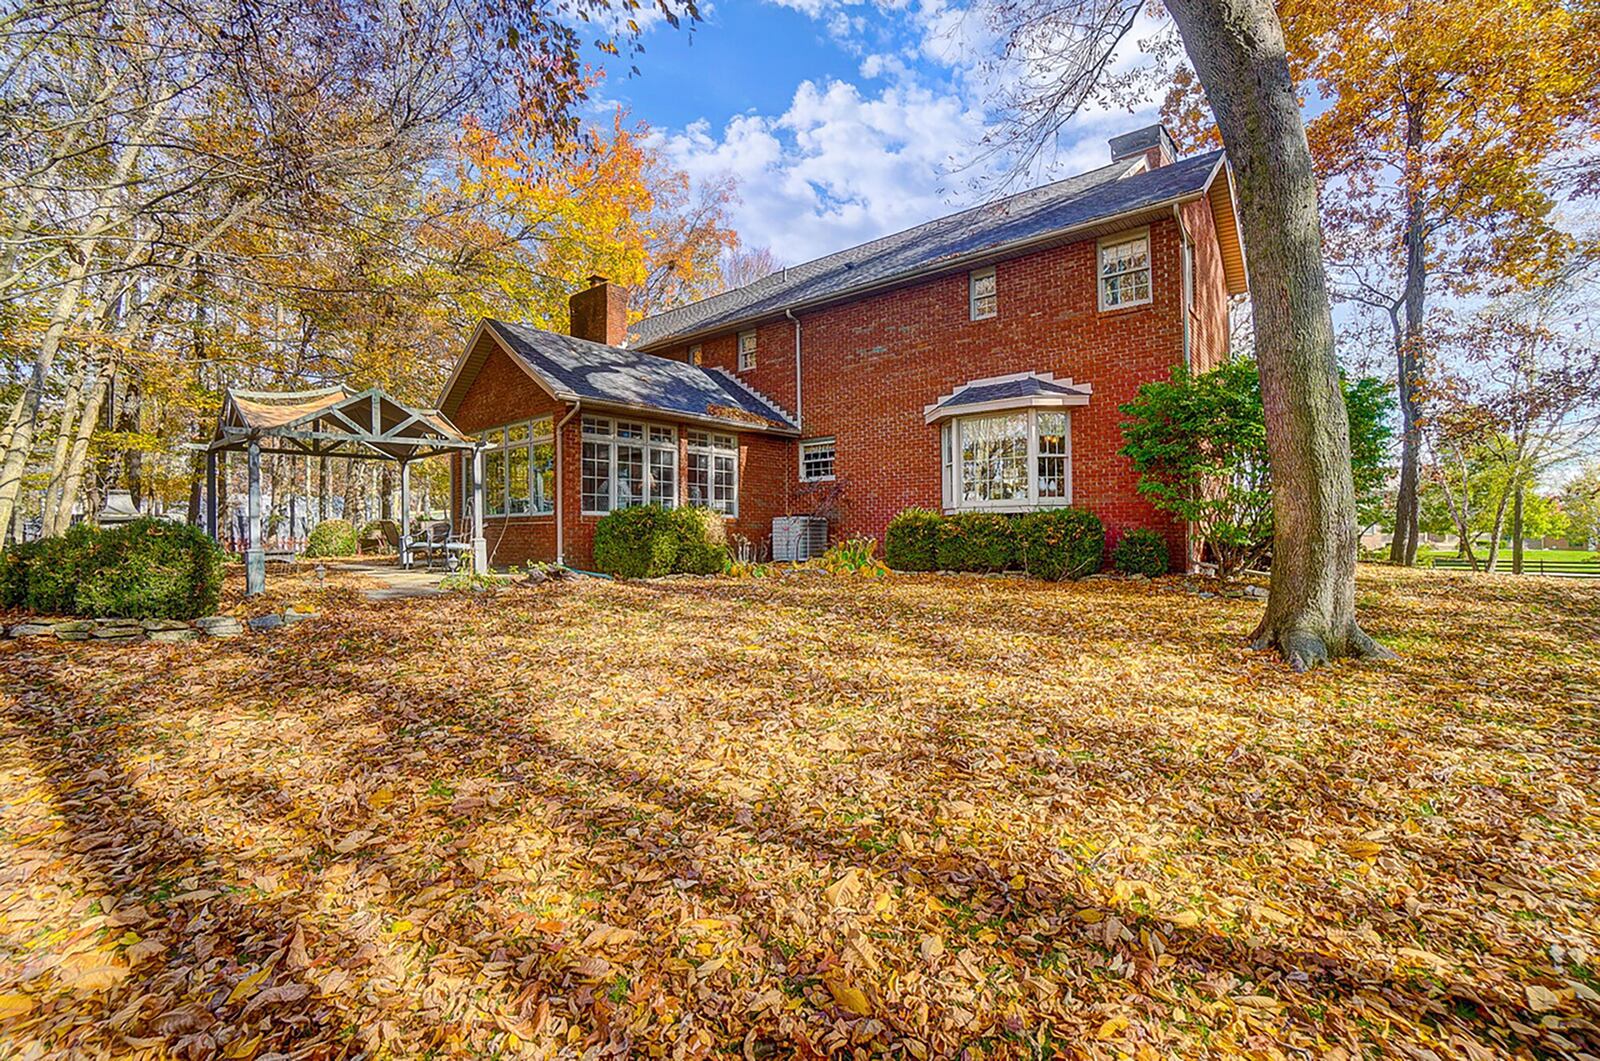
1017,391
576,370
1118,194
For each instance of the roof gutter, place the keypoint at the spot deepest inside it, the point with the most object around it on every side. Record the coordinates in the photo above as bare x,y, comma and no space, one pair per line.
799,408
949,265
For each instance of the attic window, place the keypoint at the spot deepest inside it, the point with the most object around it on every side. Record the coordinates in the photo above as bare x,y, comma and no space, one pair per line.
747,350
981,294
694,354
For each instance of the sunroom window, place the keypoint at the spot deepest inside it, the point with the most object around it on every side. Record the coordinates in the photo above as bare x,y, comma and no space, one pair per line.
519,476
1008,461
714,471
626,463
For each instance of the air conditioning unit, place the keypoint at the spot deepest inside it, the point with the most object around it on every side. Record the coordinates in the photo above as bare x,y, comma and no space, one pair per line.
797,538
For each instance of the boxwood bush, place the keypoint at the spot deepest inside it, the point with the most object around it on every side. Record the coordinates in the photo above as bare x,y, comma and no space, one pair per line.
146,569
977,541
153,569
702,537
332,537
1141,551
1060,543
912,541
638,542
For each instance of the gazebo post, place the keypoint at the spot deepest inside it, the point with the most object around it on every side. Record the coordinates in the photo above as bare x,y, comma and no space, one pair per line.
405,514
480,550
211,493
255,561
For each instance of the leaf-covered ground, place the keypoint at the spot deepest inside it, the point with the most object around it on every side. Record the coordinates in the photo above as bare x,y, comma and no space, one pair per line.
915,818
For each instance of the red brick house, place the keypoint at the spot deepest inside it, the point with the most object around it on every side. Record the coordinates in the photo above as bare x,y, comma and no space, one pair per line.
973,362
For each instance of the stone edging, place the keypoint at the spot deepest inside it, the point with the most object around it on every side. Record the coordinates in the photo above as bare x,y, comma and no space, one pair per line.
163,631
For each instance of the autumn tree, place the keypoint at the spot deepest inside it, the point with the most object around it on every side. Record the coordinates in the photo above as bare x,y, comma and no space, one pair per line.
1237,50
1443,136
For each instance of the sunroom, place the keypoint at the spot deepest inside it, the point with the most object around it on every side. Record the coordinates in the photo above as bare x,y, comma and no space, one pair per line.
1006,442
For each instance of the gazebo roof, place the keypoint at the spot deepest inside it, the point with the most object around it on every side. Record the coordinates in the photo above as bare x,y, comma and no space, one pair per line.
334,422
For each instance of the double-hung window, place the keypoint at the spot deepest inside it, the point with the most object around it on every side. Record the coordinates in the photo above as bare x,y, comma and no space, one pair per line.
982,295
1125,270
627,463
816,459
1008,461
518,470
747,350
714,471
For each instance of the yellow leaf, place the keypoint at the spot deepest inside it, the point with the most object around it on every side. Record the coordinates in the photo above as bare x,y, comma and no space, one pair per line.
1362,849
247,987
1185,919
1112,1028
1541,999
13,1005
850,999
844,889
401,926
381,797
243,1048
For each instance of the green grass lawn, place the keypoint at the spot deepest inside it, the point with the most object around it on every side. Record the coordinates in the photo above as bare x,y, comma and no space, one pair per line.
1505,551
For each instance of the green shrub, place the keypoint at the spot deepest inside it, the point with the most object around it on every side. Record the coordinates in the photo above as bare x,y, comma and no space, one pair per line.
702,540
638,542
977,541
912,540
1060,543
1141,551
152,569
853,556
15,559
44,576
332,537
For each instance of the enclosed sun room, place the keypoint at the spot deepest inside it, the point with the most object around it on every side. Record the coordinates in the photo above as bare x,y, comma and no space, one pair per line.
1006,442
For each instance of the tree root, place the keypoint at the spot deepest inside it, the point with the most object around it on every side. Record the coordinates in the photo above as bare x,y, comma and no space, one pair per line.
1304,648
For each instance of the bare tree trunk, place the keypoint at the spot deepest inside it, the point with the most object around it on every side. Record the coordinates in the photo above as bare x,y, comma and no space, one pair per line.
1499,529
71,401
78,457
1238,52
354,481
1516,530
1411,350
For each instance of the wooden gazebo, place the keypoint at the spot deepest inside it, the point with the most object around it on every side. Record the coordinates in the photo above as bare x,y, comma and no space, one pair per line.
334,422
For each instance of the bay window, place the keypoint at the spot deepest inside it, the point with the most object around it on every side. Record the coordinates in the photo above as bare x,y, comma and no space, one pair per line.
625,463
714,471
1008,461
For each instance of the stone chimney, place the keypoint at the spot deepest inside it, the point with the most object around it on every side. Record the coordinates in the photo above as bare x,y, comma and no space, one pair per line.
1153,142
599,313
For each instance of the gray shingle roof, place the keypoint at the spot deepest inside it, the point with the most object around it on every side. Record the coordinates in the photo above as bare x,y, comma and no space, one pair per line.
577,369
1084,199
1026,387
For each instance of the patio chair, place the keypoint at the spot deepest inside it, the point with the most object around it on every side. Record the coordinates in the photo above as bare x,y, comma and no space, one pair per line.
439,543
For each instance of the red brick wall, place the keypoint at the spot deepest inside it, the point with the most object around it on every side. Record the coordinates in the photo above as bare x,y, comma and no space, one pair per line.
1209,335
503,393
870,366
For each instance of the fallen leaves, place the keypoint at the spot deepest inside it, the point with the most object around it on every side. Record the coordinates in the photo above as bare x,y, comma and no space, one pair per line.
921,817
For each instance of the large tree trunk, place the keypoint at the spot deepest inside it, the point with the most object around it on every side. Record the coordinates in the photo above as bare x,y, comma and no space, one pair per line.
1516,530
78,456
1238,52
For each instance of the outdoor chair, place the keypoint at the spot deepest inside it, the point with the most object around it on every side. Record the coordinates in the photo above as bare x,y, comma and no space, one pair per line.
439,543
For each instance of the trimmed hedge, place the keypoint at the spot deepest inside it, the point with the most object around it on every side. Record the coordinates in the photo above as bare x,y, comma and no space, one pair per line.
977,541
702,536
153,569
649,541
145,569
332,537
1141,551
1060,543
912,541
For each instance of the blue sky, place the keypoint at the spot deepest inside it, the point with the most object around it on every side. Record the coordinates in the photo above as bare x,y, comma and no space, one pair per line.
840,120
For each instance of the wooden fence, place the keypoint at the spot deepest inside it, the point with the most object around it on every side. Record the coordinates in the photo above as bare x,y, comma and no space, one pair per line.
1530,566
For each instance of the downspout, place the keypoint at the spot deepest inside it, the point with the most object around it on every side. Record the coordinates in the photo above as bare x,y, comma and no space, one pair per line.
1185,283
799,415
561,485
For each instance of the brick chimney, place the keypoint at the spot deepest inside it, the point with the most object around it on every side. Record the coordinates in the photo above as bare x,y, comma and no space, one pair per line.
599,313
1153,142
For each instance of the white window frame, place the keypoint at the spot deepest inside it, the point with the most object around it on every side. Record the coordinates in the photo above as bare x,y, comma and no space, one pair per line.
655,442
713,446
951,463
1109,243
695,353
973,297
817,443
540,431
747,350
